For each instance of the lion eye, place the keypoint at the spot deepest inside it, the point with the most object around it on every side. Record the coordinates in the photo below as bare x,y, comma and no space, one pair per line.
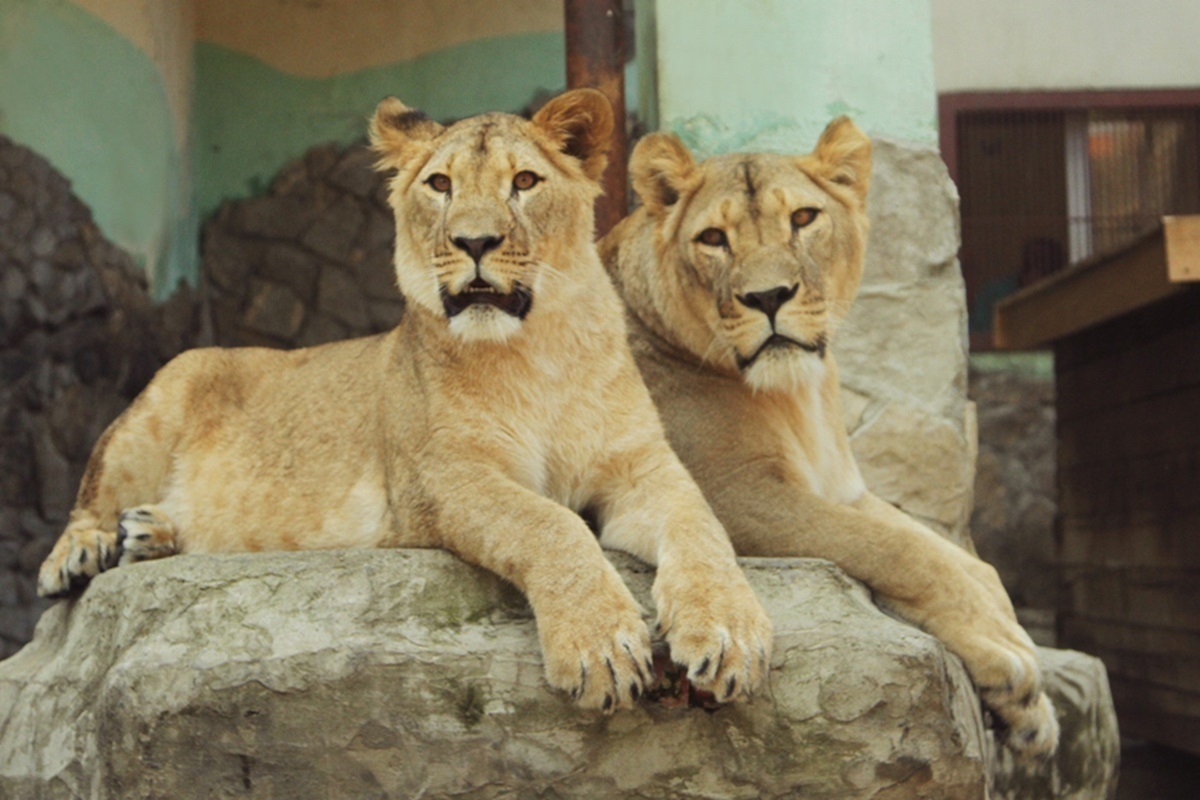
713,237
803,217
439,182
525,180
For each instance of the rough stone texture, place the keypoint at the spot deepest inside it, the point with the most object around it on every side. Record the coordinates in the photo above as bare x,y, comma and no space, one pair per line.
1015,495
409,673
310,261
79,338
1086,766
902,351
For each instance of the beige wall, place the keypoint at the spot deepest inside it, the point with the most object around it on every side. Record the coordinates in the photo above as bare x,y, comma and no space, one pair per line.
323,38
1065,44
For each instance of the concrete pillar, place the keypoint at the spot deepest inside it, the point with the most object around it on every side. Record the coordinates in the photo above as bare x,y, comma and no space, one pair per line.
769,74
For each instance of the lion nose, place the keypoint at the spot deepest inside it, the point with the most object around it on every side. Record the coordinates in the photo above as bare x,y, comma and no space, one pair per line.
478,245
770,300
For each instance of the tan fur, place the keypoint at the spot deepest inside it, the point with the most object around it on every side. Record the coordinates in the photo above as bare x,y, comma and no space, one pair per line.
766,440
482,433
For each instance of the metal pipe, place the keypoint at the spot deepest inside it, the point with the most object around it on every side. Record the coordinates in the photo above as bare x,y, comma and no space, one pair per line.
595,35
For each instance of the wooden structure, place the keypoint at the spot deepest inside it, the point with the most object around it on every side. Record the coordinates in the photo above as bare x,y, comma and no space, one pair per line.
1125,329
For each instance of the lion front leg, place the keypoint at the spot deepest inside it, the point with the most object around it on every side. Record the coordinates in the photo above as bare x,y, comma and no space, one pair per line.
710,617
85,549
128,467
595,644
967,607
913,572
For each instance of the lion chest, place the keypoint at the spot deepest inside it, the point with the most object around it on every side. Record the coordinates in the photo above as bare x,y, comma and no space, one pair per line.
550,428
811,439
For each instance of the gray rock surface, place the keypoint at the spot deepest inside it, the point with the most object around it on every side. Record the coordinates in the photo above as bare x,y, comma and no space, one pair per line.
902,352
1016,499
408,673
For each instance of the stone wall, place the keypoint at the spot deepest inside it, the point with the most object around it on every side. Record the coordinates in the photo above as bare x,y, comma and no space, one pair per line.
79,338
309,261
1013,523
902,350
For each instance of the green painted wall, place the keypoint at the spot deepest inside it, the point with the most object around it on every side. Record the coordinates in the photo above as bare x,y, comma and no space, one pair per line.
80,94
85,98
769,74
250,119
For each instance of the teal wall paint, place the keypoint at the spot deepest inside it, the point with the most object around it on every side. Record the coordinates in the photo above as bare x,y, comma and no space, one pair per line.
251,119
770,74
82,96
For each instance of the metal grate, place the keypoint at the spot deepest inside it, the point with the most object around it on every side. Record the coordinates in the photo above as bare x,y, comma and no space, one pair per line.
1046,188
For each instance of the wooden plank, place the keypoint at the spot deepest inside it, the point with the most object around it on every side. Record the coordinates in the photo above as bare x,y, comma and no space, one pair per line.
1085,295
1151,715
1153,365
1180,673
1163,540
1157,714
1183,247
1154,489
1155,596
1087,633
1177,313
1154,675
1160,424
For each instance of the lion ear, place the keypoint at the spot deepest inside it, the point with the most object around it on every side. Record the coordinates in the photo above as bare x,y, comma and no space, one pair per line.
581,123
662,169
843,154
396,128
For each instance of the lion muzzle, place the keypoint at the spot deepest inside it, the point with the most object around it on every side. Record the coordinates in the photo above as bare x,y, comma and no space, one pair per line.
515,303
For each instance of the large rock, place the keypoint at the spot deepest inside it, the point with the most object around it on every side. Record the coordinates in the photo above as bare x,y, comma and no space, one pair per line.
400,673
409,673
902,351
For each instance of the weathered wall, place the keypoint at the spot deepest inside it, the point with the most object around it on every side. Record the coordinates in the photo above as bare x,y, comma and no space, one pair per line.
104,97
275,78
157,111
308,262
769,75
79,338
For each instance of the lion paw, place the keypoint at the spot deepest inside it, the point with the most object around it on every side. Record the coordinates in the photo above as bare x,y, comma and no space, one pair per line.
606,665
78,556
1028,728
720,633
1025,716
144,533
1005,667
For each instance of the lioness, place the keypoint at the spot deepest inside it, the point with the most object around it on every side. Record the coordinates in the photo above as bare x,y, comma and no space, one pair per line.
506,398
736,271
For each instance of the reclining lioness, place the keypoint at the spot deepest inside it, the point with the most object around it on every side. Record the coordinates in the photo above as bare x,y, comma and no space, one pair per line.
736,272
506,400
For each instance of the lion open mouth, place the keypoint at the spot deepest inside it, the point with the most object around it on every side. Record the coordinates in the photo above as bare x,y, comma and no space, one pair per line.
479,292
778,340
